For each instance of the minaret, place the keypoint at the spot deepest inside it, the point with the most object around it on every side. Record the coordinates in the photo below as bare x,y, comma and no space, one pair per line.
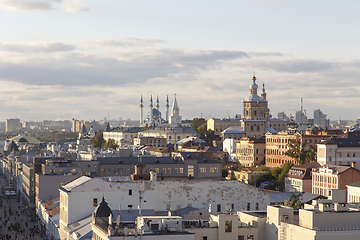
151,111
157,103
141,111
167,108
263,95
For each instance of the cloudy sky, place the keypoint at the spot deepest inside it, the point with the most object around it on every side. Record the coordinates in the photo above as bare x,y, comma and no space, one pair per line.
90,59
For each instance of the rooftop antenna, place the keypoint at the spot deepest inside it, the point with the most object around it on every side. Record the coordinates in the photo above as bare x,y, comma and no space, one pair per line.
301,106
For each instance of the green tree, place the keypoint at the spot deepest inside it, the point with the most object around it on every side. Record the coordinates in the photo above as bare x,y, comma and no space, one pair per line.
297,151
293,202
110,144
310,155
197,122
98,140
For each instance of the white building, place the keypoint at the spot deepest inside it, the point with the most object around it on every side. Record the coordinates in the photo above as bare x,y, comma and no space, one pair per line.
353,192
340,151
79,198
121,133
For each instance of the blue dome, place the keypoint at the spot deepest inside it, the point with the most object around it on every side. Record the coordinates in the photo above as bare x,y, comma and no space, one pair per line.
155,112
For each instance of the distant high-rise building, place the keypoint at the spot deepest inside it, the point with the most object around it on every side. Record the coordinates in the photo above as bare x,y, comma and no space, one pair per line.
319,118
13,125
283,116
300,117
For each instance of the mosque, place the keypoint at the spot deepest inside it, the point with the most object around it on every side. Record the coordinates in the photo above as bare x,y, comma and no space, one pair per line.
154,117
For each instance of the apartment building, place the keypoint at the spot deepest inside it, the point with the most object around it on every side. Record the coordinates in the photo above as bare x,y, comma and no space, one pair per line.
172,135
327,220
250,151
220,124
340,151
353,192
277,144
183,165
79,198
330,177
121,133
299,178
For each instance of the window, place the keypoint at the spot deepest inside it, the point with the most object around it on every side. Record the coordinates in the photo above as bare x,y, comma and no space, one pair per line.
95,202
169,137
228,226
257,206
52,171
214,169
353,154
178,137
232,206
202,170
190,170
251,128
107,170
218,209
248,206
164,170
179,170
204,238
169,170
250,237
155,169
241,237
130,191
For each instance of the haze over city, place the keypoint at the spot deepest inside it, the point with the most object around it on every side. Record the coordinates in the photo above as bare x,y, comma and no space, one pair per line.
93,59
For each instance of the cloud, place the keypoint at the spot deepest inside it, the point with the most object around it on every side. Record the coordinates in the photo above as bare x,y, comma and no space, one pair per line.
294,65
45,47
272,3
28,5
71,6
125,42
122,68
74,6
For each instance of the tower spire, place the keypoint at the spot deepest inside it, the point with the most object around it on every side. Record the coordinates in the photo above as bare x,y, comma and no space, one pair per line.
157,102
141,110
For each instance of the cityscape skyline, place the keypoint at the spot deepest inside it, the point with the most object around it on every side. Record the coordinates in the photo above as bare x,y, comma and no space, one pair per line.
93,59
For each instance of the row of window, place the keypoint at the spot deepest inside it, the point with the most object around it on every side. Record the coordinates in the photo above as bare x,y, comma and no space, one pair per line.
347,155
119,171
328,179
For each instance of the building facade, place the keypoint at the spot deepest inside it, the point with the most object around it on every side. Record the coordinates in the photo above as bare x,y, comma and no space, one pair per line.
79,198
333,177
250,151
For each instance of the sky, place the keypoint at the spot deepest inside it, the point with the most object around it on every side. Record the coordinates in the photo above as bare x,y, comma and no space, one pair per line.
93,59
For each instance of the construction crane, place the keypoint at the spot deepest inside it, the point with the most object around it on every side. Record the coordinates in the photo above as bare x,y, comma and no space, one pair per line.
228,114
